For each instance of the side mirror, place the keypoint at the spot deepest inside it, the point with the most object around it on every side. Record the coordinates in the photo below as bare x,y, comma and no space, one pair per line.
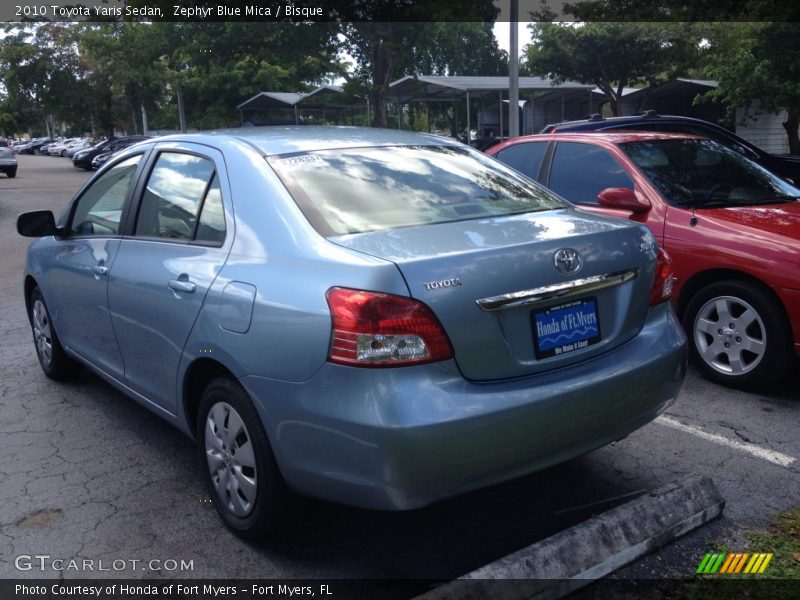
37,223
623,198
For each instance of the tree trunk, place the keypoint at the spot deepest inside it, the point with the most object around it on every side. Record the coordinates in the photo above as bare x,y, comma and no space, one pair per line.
790,125
380,116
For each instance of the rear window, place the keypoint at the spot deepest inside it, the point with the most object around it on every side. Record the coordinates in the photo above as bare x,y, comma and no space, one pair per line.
356,190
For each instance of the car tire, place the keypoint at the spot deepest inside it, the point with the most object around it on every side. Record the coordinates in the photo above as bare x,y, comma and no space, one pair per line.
54,361
738,335
11,173
234,452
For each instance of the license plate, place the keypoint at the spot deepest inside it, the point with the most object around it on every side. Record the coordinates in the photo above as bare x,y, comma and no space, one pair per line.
565,328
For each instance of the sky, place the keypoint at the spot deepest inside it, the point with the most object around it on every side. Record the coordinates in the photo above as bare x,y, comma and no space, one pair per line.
502,32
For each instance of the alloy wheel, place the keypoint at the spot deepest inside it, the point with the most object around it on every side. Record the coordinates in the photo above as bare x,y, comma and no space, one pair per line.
730,335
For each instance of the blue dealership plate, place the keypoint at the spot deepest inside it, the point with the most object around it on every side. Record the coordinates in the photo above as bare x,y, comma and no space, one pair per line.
565,328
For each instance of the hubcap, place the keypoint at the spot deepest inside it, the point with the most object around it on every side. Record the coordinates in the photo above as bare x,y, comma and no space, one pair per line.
231,459
41,333
730,335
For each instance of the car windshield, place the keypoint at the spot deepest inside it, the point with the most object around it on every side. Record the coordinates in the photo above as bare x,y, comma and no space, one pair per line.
705,174
368,189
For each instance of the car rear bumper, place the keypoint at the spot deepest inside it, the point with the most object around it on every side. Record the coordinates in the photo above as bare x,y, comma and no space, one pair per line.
8,162
402,438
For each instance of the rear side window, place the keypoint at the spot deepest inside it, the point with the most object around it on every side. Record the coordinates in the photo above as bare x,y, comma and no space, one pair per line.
211,228
581,171
99,209
181,187
524,157
356,190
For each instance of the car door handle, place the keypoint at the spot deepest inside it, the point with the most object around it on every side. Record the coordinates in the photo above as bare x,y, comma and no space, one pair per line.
180,285
100,271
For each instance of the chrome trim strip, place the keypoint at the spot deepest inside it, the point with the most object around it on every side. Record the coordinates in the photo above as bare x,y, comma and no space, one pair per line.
548,293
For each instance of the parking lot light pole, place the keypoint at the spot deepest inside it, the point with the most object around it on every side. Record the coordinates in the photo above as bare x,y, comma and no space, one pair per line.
513,72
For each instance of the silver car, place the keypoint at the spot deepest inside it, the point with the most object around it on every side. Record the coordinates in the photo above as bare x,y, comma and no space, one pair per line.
374,317
8,162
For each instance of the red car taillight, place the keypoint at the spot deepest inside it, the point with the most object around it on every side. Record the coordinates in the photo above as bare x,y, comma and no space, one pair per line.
663,280
370,329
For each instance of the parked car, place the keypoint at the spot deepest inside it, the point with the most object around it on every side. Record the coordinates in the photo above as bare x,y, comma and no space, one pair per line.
45,148
34,145
731,226
81,144
101,159
786,166
59,148
83,159
374,317
8,162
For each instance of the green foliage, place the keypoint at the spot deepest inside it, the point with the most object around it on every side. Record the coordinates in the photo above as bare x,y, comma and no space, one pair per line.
757,61
40,76
611,55
678,10
100,75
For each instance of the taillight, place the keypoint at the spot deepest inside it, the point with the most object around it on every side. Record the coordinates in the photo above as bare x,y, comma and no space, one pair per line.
663,280
370,329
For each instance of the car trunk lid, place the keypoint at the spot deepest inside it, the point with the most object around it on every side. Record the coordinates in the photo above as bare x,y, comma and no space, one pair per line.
495,287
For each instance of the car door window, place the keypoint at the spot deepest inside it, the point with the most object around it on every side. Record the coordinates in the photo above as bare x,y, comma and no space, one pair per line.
173,196
99,209
525,157
581,171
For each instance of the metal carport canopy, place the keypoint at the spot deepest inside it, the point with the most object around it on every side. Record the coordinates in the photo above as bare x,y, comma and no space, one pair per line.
269,100
443,88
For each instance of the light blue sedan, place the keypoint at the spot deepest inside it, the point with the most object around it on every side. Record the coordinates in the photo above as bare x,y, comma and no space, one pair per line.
374,317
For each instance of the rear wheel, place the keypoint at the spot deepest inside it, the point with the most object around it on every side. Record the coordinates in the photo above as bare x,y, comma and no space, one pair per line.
11,172
52,358
738,335
237,461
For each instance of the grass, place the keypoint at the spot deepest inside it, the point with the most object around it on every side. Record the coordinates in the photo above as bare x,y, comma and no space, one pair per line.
781,579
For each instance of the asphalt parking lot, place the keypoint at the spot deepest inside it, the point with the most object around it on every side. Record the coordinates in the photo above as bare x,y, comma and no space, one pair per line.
89,475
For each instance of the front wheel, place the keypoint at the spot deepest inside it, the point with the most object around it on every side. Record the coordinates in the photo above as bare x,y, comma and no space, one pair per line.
52,358
738,334
237,460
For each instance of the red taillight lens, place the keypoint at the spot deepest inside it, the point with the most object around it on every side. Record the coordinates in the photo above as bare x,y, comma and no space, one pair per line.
383,330
663,280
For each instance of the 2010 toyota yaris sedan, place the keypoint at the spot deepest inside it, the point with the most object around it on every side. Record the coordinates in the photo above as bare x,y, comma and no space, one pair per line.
378,318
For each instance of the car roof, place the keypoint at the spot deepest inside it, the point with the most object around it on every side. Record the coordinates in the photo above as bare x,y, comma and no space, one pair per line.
596,122
308,138
615,137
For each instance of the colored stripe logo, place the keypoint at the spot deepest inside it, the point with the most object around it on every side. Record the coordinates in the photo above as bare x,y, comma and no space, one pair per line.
735,562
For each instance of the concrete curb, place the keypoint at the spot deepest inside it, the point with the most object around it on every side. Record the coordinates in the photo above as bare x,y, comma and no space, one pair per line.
576,556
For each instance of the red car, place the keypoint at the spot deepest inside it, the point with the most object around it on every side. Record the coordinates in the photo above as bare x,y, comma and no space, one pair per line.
731,227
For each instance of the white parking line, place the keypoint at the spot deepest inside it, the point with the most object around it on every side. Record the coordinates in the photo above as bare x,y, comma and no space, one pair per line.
777,458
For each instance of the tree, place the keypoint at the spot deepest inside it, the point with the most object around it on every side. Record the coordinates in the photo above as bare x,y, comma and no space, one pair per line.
757,62
611,55
387,38
40,75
